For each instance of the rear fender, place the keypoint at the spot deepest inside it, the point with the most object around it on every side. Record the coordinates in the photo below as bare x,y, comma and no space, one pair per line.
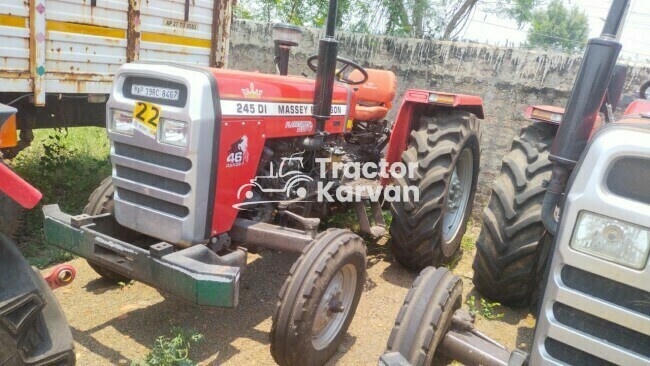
638,107
545,113
408,113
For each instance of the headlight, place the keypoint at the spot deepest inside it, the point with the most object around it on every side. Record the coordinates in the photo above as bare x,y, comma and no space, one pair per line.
610,239
173,132
122,122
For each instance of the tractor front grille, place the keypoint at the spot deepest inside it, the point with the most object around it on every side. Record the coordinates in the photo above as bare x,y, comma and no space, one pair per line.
593,293
594,326
154,191
153,157
162,190
606,289
572,356
153,203
152,180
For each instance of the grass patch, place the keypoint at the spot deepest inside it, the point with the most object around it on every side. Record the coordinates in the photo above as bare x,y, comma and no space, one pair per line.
66,165
486,309
467,243
174,351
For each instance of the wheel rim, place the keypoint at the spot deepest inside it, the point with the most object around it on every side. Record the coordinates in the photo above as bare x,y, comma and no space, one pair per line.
334,307
458,194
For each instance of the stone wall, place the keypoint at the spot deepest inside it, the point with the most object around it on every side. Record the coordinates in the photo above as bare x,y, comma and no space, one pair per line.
507,79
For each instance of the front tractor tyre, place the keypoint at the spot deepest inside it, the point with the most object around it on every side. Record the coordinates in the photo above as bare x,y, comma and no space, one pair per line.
426,315
445,148
319,298
101,202
513,245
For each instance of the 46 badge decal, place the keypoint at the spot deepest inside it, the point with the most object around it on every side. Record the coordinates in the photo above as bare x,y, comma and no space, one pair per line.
238,153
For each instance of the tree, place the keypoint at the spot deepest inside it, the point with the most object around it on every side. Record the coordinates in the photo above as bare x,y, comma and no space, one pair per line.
560,28
462,13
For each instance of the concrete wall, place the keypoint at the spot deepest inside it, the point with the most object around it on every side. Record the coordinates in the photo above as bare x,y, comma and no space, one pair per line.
507,79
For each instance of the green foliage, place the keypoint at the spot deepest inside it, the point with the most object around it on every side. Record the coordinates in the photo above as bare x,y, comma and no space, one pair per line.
298,12
467,243
174,351
66,166
486,310
126,284
559,28
410,18
519,10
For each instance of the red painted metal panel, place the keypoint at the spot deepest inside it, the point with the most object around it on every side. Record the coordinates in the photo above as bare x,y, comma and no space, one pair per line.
17,189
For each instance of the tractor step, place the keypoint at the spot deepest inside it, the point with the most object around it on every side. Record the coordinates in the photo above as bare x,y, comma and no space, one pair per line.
195,274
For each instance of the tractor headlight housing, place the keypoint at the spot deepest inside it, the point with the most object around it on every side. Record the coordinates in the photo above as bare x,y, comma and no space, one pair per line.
611,239
173,132
121,122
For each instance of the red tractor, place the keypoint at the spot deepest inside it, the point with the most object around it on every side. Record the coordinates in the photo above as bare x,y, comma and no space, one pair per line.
185,140
33,328
513,246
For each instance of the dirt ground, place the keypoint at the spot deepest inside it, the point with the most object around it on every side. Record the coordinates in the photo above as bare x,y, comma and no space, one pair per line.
114,324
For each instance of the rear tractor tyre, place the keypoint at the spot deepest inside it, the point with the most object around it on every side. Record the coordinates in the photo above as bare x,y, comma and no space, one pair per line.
319,298
513,245
446,150
12,217
101,202
425,316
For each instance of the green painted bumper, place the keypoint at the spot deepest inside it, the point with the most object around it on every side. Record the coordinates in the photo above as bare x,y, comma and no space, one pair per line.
195,274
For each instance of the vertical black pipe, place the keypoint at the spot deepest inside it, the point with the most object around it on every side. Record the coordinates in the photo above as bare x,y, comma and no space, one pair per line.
282,53
325,74
615,19
582,108
585,101
331,19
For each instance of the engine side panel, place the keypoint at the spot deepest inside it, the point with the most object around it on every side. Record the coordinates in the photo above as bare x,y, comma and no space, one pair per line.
256,107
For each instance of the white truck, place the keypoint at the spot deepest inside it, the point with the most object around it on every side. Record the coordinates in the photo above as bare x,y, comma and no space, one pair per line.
58,57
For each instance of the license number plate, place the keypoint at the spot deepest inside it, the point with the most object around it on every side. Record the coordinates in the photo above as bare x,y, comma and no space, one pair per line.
155,92
146,117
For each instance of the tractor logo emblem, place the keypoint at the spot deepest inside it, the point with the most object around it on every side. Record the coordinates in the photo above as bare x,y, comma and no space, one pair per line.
238,153
252,93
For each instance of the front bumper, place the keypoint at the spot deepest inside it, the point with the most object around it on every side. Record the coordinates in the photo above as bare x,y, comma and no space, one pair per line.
195,274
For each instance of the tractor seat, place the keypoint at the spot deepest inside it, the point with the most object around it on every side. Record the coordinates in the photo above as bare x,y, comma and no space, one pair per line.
375,96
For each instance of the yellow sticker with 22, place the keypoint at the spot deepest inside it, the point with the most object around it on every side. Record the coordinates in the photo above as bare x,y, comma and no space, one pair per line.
146,117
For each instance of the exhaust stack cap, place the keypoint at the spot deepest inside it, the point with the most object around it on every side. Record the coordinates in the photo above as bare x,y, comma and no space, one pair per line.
287,34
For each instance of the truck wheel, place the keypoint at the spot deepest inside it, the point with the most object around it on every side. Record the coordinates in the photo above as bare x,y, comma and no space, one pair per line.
319,298
101,201
510,253
12,217
425,316
446,150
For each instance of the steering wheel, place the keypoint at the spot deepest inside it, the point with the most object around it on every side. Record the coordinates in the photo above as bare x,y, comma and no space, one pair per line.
643,89
340,74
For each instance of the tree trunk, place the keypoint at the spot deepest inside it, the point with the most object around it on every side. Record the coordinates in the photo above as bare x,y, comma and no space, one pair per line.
464,10
419,9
